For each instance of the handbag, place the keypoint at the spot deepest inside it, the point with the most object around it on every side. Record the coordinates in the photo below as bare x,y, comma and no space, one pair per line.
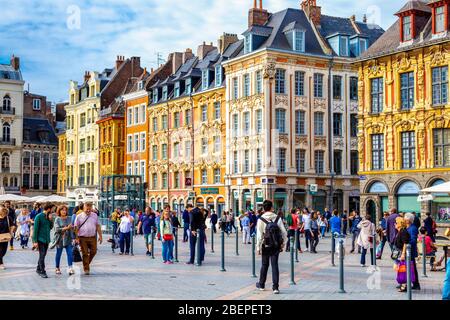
168,237
76,254
6,237
402,273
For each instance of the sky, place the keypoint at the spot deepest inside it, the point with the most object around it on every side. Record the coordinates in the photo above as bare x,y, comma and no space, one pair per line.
58,40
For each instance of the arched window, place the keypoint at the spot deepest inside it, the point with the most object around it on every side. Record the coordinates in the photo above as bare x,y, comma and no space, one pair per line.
5,181
5,162
7,103
6,132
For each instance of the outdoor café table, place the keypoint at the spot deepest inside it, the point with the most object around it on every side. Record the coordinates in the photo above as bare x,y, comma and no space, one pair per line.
444,244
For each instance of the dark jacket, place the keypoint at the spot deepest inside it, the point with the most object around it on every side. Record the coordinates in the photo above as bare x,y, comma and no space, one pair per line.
12,216
197,220
390,227
175,222
214,218
355,223
186,217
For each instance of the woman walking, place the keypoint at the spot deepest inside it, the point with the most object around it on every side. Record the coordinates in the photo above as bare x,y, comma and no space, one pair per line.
314,229
126,223
24,221
365,239
167,238
6,228
323,225
64,236
402,239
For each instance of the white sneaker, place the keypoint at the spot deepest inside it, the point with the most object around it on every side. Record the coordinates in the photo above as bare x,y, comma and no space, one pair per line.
2,267
363,265
276,291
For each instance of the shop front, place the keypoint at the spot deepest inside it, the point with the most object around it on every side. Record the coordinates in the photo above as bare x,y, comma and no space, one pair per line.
280,200
299,198
407,194
319,200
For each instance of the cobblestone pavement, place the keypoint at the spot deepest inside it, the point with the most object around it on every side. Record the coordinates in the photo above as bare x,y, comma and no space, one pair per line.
140,277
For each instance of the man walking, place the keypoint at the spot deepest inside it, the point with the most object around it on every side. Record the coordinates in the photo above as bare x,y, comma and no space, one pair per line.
147,222
197,224
270,237
214,220
87,226
306,217
43,223
383,235
186,225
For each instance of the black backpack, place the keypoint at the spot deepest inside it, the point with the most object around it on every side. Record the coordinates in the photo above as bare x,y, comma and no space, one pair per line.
272,240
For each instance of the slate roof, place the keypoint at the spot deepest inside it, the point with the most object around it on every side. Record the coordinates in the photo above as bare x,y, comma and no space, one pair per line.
34,126
415,5
9,73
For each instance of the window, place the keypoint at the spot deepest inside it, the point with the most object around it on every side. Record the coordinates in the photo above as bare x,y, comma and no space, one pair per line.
246,161
177,89
353,88
235,125
318,123
164,151
377,95
164,122
407,28
187,149
204,176
55,160
129,144
155,153
176,180
155,95
440,19
143,141
36,182
217,112
36,104
441,144
26,158
155,181
187,117
164,180
165,92
258,82
46,160
300,122
343,46
353,125
377,152
7,103
235,162
280,81
258,121
217,176
5,162
136,142
205,79
337,124
204,114
337,87
407,90
281,160
300,160
354,162
280,119
299,41
188,86
246,85
204,146
136,115
218,76
143,170
6,132
217,144
337,157
176,150
45,181
155,124
248,43
26,181
235,88
318,85
258,160
440,85
176,120
319,161
82,145
82,120
408,150
142,116
246,123
299,83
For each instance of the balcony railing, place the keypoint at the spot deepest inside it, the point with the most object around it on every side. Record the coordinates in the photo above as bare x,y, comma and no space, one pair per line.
11,111
10,142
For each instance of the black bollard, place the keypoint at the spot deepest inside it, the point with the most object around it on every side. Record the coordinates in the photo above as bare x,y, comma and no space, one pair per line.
197,249
132,238
212,238
408,271
333,248
153,244
223,251
374,248
176,244
424,257
341,266
237,240
296,246
292,282
253,256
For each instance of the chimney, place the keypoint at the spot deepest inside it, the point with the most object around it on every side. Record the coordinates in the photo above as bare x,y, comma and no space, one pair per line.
225,40
187,55
177,61
119,61
203,50
257,16
364,18
312,11
15,63
87,76
353,18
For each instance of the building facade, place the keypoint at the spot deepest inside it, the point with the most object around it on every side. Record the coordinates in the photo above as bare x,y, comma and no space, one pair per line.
404,128
62,174
292,110
11,121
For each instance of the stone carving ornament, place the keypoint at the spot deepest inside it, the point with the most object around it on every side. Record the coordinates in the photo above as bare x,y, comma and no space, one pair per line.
269,70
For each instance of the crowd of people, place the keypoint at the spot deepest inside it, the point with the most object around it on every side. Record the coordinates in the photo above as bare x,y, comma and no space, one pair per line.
51,226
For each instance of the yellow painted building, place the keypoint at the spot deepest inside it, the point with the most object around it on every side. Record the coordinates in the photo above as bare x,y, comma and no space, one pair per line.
404,111
62,151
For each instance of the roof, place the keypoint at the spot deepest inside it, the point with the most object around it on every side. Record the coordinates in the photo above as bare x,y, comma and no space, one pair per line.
9,73
40,131
417,5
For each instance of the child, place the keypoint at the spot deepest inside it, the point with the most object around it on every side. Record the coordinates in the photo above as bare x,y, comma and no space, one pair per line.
429,245
246,229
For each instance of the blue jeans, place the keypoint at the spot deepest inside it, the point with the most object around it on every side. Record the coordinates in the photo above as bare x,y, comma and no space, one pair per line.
322,230
186,232
193,246
69,254
167,250
446,288
124,242
363,256
23,240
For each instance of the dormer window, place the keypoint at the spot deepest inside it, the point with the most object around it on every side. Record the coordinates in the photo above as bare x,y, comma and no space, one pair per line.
36,104
439,19
248,43
165,92
177,90
205,79
218,76
299,40
141,85
155,95
343,46
188,86
407,28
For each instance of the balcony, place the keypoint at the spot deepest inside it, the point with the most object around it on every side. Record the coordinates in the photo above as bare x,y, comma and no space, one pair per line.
6,169
11,111
10,142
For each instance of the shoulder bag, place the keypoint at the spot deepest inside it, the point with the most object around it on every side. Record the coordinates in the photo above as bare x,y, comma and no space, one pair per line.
6,237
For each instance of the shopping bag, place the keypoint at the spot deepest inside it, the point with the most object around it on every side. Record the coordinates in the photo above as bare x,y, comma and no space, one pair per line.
76,254
402,274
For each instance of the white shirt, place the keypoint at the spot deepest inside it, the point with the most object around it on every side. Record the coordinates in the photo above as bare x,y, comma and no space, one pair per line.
125,224
306,218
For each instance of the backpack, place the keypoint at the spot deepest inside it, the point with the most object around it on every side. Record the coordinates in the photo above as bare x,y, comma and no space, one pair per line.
289,220
272,238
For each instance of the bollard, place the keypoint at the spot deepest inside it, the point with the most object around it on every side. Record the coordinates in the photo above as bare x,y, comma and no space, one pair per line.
341,266
223,251
237,240
212,239
333,248
176,245
374,248
424,257
408,271
153,244
292,282
197,249
253,256
296,246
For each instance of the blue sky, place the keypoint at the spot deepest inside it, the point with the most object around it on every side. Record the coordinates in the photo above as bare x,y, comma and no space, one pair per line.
55,46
